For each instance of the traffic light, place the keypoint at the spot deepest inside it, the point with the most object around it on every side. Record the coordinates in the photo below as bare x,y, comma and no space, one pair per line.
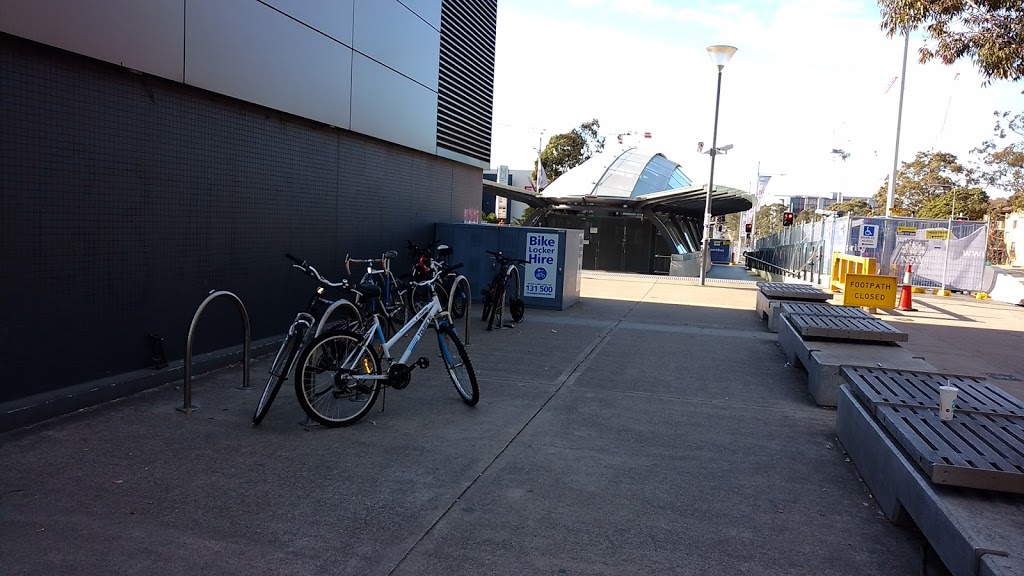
748,228
787,218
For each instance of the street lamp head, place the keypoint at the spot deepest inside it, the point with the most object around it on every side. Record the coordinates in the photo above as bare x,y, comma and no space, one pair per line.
721,54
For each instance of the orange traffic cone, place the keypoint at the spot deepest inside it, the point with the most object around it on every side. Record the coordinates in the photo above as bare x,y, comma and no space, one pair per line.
906,303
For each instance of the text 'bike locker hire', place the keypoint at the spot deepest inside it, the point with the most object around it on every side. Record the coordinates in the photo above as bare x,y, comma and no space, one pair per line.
541,263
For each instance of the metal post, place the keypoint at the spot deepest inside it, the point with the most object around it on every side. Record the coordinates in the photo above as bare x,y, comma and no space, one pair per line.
949,238
187,406
891,198
711,185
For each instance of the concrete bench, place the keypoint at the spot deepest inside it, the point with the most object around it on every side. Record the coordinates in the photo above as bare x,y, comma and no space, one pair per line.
972,531
770,298
824,360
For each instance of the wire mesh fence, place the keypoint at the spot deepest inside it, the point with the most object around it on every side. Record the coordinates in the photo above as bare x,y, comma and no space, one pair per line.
940,253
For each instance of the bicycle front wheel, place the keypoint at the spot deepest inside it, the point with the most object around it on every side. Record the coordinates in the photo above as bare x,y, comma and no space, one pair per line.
456,361
516,307
458,301
278,374
325,383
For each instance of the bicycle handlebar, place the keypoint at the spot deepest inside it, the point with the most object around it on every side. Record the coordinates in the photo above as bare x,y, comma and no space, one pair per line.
439,273
368,261
310,270
505,259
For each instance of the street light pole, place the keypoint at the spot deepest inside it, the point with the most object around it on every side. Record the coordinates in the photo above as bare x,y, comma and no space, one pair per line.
891,196
720,55
949,238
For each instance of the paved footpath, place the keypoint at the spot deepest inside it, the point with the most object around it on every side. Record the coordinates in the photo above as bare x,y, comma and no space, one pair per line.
652,428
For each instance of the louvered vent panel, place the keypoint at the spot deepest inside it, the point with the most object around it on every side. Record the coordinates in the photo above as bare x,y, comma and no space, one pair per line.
465,85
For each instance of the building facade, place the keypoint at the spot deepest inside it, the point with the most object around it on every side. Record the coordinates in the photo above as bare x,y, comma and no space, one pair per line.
151,154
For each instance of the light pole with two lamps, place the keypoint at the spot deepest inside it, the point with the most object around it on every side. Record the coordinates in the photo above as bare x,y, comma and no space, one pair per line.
720,55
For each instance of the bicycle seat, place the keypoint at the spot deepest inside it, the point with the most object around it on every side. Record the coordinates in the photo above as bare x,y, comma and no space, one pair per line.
391,254
444,250
368,289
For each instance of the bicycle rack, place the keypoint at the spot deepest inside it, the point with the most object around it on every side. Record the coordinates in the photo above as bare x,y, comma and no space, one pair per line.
187,406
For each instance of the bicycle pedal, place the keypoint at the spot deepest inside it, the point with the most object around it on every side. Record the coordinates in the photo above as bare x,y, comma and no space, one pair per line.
423,362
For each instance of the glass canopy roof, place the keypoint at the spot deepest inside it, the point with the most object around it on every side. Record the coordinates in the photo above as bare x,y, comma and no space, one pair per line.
619,174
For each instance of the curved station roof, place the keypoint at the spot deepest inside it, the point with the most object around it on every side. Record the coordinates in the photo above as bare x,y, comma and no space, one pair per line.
629,180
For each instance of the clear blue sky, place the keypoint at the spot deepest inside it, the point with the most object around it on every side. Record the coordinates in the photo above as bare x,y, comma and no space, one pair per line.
809,76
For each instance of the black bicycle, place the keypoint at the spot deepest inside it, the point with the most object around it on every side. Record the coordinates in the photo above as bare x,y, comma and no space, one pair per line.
506,286
308,324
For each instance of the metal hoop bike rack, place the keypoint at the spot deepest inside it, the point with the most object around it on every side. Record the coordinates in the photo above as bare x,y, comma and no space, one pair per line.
187,406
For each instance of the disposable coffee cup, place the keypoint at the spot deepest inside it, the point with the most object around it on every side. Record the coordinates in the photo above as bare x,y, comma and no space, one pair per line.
947,402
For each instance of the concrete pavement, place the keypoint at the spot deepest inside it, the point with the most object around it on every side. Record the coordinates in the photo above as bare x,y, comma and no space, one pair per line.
654,427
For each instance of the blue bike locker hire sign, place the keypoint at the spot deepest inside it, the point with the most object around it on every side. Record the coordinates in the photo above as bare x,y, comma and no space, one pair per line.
541,267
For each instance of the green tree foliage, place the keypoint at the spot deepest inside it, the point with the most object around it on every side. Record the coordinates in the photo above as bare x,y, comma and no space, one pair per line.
989,32
853,207
805,216
769,219
1002,158
925,178
970,202
567,151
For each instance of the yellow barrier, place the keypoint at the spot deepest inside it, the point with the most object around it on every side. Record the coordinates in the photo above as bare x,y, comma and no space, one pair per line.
843,264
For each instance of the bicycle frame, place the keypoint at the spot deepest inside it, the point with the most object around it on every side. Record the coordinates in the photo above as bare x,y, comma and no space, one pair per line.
425,317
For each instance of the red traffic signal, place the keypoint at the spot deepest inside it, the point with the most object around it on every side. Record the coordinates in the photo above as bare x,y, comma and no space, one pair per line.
748,228
787,218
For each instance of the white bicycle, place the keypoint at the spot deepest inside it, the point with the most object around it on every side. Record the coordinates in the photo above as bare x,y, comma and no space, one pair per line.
339,374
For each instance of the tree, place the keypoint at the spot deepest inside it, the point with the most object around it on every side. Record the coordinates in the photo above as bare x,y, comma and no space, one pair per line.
852,207
1002,158
970,202
805,216
989,32
567,151
928,176
769,219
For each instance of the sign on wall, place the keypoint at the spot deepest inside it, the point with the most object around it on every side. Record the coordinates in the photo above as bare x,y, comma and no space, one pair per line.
541,263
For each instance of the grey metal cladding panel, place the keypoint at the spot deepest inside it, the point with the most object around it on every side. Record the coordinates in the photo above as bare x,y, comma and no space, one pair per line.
429,10
247,50
391,107
147,36
332,17
391,34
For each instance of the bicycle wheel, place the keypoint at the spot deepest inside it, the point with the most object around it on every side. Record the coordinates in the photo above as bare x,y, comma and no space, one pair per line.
516,307
460,370
278,374
323,379
497,307
488,295
458,301
420,297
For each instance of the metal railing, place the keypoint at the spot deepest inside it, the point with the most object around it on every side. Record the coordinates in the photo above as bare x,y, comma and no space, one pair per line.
187,406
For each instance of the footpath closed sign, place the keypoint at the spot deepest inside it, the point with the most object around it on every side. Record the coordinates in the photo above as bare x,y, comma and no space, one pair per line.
541,262
870,291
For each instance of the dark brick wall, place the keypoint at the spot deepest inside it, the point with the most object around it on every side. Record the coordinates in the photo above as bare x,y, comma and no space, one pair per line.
125,199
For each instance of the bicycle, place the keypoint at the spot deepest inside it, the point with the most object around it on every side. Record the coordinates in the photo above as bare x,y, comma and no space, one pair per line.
339,375
454,289
301,332
497,292
394,294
